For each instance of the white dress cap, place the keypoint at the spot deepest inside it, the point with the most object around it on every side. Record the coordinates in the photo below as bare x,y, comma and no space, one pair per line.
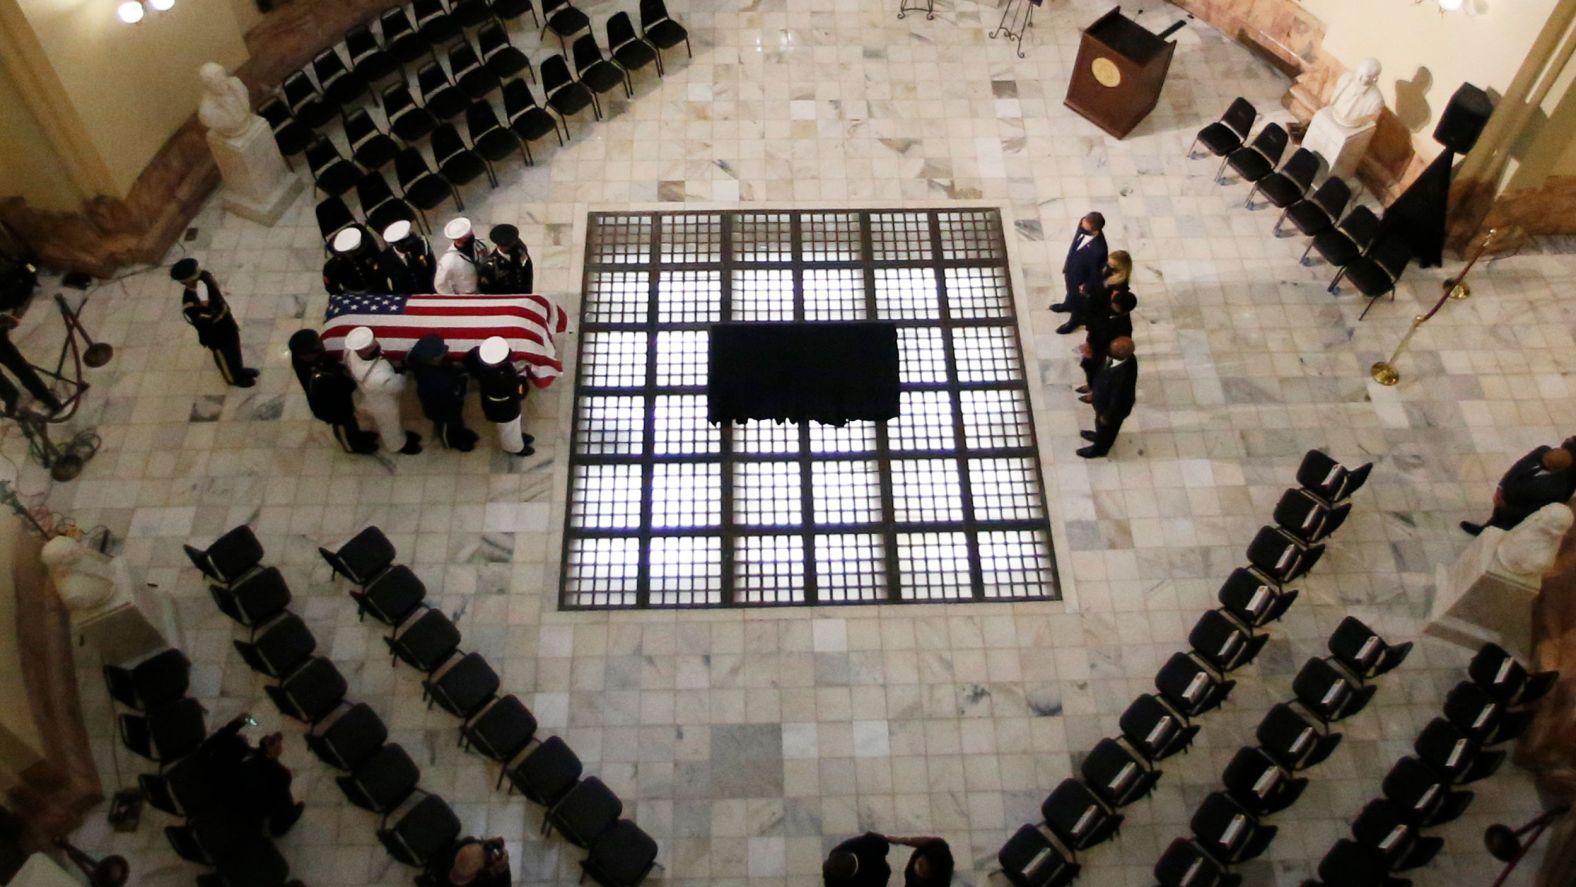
494,350
347,240
359,338
396,232
457,229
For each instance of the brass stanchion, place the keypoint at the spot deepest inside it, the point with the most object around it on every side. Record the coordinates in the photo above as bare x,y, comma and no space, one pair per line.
1384,372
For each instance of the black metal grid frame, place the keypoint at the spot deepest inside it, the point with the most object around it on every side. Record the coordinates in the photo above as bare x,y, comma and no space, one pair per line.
629,259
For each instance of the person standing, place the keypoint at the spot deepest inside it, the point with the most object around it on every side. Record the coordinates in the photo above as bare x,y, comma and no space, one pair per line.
330,392
1112,394
352,268
1110,317
475,863
503,391
407,261
440,385
251,781
216,328
1539,478
858,862
13,360
1082,269
380,385
930,865
456,273
508,268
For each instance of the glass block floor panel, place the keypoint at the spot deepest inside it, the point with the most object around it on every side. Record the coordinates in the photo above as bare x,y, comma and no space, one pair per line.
945,503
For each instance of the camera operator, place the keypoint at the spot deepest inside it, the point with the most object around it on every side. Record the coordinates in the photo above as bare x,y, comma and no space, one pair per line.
477,863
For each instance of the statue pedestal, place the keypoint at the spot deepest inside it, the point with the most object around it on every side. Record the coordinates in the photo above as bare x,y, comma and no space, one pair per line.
257,185
135,621
1476,600
1342,147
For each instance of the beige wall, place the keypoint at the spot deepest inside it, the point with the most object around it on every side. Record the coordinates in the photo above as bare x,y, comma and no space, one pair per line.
246,13
1427,54
131,87
29,165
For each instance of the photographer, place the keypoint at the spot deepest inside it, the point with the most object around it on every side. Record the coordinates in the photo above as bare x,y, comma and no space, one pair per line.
477,863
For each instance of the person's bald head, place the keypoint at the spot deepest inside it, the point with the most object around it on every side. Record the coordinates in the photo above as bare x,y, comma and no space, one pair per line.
839,866
1557,459
1122,347
468,863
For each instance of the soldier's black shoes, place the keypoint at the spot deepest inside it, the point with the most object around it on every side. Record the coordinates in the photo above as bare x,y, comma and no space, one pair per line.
412,444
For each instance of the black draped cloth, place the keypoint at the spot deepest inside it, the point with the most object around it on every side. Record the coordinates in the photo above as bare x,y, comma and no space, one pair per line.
830,373
1418,215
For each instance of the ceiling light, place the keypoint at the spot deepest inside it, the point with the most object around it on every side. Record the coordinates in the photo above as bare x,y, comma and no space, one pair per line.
130,12
161,5
1450,5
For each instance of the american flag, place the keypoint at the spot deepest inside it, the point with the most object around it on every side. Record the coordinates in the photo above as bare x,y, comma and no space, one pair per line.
528,322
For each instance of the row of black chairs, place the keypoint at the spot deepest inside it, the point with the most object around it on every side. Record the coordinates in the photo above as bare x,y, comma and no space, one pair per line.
416,827
1491,707
1353,243
501,728
1083,812
1261,780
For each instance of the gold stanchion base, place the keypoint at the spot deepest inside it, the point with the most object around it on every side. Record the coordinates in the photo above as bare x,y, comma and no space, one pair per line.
1458,289
1384,373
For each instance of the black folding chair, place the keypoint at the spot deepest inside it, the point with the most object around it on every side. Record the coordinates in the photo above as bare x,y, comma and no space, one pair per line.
1315,214
1383,825
333,216
1078,816
457,162
1507,680
1307,516
278,647
368,59
311,692
1156,728
1346,241
1191,685
1282,556
369,552
1328,693
340,85
422,832
564,95
660,30
1293,740
469,13
434,23
1255,598
289,134
404,43
349,738
596,72
585,813
500,730
1229,132
1228,830
305,102
474,78
528,120
629,49
1030,858
381,782
424,640
499,55
1485,719
622,856
443,99
509,10
1453,755
381,206
1363,651
1375,273
255,599
1224,641
545,771
1425,796
1259,783
1258,158
1330,479
1118,773
1350,864
493,140
370,147
462,685
1290,183
166,734
408,120
391,596
182,788
423,188
230,557
155,681
331,172
1187,864
563,19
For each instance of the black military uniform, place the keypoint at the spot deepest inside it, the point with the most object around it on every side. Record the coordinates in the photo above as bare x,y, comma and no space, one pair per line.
330,392
502,390
440,385
216,327
508,268
409,265
355,267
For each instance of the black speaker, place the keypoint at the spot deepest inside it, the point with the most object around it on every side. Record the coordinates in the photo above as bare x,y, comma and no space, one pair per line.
1464,119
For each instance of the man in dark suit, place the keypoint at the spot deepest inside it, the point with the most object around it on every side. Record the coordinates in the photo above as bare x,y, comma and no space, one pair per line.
1113,393
1539,478
1083,269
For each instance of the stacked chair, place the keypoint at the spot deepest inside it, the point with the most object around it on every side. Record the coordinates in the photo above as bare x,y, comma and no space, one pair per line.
1493,706
1084,812
1350,242
500,728
455,55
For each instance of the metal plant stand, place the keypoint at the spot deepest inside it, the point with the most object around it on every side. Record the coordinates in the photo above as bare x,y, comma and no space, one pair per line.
929,8
1019,13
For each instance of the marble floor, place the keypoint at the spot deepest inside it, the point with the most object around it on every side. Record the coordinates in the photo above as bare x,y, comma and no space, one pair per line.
749,742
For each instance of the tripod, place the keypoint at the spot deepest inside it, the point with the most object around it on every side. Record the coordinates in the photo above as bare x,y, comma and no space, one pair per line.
65,462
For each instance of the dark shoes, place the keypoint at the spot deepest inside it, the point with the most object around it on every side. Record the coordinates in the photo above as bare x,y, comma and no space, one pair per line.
1471,528
1067,327
528,451
1090,453
1082,389
248,379
1086,398
281,824
412,444
1062,308
1087,435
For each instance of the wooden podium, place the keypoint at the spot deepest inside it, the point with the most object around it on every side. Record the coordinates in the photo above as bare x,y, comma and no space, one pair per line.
1120,69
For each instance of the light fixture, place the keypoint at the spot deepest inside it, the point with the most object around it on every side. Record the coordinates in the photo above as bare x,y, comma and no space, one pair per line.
161,5
1450,5
130,12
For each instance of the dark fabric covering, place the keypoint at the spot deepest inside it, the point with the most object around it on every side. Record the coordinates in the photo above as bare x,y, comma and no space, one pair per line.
794,372
1418,215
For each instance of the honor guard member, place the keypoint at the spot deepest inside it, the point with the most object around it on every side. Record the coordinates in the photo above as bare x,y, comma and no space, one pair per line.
440,385
508,268
380,386
216,327
353,267
330,392
503,390
408,260
456,274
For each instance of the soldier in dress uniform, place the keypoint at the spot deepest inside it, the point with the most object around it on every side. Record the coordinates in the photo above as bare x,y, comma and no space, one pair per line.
380,385
456,274
508,268
408,260
330,392
441,385
216,327
353,266
503,391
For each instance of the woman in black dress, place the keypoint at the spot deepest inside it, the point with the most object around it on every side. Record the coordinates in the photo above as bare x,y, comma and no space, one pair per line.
1110,317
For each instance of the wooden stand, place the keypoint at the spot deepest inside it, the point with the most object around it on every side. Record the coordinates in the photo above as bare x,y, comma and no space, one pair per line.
1117,77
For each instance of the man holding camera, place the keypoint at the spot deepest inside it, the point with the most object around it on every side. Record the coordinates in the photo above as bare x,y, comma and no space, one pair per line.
476,863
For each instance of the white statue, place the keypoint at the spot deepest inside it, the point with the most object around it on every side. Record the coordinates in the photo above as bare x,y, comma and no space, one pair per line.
226,106
83,578
1530,548
1357,101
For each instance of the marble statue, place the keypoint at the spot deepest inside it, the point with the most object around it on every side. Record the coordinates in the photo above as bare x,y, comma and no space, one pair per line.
1341,130
226,106
1357,101
83,578
1530,548
257,185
